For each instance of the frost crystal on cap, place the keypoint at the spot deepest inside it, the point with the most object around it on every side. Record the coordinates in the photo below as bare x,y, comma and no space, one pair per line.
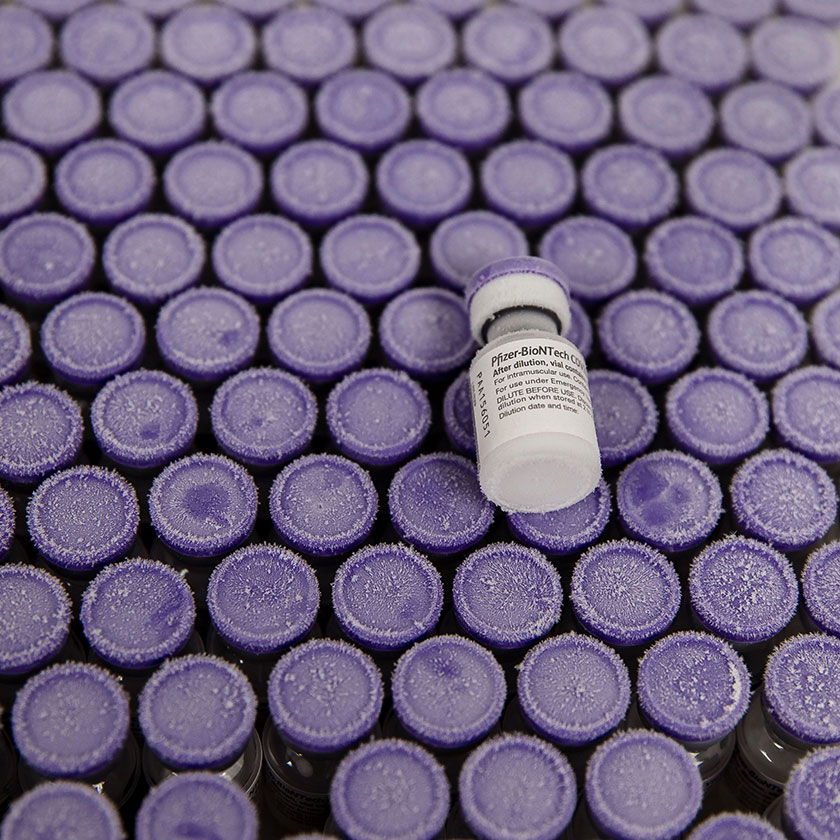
810,805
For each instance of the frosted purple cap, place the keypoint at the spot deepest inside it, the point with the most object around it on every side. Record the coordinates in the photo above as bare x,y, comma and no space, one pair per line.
36,618
517,787
353,10
642,785
758,334
507,596
24,174
70,720
580,329
823,10
137,613
319,334
568,530
825,111
324,696
809,185
625,593
7,523
810,804
742,826
825,329
158,111
385,597
650,11
203,505
91,337
26,44
821,588
201,802
378,416
454,9
197,712
806,412
44,258
52,110
744,14
212,183
55,10
262,598
258,10
155,9
436,504
323,505
40,431
742,590
550,9
204,334
784,498
458,415
573,689
371,258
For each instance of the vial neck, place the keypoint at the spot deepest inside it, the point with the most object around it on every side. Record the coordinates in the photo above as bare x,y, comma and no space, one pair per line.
521,318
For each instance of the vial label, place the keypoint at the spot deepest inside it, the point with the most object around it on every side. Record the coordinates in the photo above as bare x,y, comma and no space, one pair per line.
753,791
301,807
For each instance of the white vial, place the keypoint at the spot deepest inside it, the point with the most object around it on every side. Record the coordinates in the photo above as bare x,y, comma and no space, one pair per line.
535,432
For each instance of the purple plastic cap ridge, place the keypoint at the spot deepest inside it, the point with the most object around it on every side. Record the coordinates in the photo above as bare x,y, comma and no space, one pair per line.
458,415
809,185
825,329
309,44
821,588
158,111
36,618
258,10
580,329
455,9
40,431
742,826
44,258
91,337
205,334
371,258
378,416
137,613
650,11
263,416
70,720
758,334
353,10
24,173
436,504
262,598
197,712
573,689
55,10
385,597
51,110
810,804
515,787
390,790
203,505
26,43
825,110
744,14
806,412
7,523
822,10
323,505
642,785
448,691
783,498
319,334
625,593
155,9
212,183
565,531
742,590
324,696
631,185
552,10
507,596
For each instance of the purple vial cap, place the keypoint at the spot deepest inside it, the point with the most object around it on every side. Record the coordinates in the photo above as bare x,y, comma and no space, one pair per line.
694,259
156,9
624,592
821,588
158,111
137,613
573,689
565,531
552,10
742,826
52,110
26,43
506,595
809,185
825,110
783,498
319,334
642,785
36,618
458,415
353,10
517,787
24,174
436,504
197,712
385,597
15,345
144,419
202,803
810,803
323,505
44,258
806,412
544,269
55,10
263,416
207,333
371,258
648,334
455,9
758,334
203,505
258,10
7,522
580,329
262,598
448,691
823,10
82,518
70,720
324,696
609,44
825,329
650,11
716,415
744,14
742,590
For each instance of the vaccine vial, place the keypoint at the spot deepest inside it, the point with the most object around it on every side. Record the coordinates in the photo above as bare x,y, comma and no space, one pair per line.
810,806
537,446
728,825
821,590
